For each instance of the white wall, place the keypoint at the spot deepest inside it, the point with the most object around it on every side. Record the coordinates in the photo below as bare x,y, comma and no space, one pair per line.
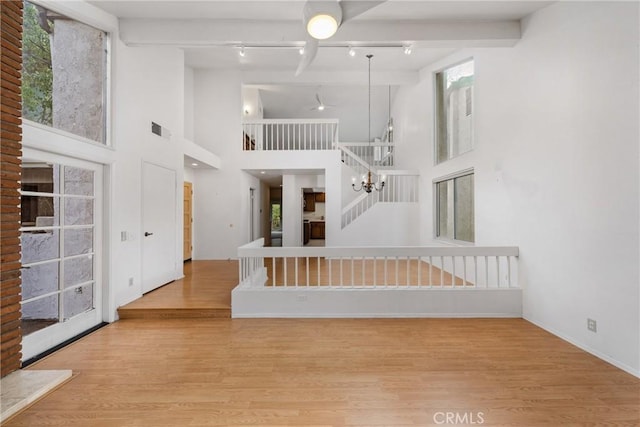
148,86
189,175
384,224
188,103
221,197
556,167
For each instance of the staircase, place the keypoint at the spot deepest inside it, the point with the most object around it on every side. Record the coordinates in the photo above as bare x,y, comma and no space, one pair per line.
400,186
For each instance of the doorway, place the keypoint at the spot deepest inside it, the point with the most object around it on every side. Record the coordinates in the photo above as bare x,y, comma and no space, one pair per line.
61,238
187,223
158,226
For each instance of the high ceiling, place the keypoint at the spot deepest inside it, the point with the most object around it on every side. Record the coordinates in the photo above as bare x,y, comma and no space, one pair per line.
212,32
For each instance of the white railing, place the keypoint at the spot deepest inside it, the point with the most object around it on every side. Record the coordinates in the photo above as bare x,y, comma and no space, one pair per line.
376,154
371,267
400,187
251,268
290,134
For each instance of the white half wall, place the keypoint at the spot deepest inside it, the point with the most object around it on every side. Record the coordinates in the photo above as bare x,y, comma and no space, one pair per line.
280,302
556,164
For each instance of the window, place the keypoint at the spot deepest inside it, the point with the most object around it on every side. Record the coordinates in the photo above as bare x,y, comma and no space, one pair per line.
454,111
63,73
57,243
455,208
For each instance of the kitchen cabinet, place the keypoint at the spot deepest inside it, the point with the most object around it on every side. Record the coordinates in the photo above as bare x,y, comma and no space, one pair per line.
319,197
317,229
306,232
309,202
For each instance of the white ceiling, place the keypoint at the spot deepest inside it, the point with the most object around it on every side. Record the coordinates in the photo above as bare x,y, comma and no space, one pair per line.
292,9
211,31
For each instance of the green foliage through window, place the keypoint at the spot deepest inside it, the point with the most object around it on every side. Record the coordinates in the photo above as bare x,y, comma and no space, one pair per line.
37,74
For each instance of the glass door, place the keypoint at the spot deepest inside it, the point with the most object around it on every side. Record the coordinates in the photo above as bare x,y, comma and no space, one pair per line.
60,236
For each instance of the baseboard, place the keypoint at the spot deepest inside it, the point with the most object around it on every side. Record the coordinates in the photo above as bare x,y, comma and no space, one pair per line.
592,351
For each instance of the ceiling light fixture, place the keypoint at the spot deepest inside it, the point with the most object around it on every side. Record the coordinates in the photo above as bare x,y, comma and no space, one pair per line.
322,26
368,185
352,51
241,53
194,164
322,18
408,49
301,50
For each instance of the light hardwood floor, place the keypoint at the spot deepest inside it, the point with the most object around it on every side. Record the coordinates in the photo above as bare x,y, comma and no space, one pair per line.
205,291
331,372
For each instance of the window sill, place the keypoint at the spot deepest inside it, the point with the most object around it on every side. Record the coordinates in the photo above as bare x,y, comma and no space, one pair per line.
453,242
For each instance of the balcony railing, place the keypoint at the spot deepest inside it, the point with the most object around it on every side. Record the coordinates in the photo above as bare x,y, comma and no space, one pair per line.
376,154
378,267
400,187
290,134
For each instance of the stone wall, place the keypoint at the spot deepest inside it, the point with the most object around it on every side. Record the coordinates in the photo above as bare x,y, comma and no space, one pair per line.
10,167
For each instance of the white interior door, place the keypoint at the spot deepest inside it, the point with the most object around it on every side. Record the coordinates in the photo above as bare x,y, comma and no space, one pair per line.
158,226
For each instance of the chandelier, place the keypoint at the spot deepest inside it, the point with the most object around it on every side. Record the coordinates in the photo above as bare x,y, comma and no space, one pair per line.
368,185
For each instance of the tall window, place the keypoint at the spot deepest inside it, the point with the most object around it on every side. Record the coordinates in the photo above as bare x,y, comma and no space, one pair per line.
455,208
63,73
454,111
57,243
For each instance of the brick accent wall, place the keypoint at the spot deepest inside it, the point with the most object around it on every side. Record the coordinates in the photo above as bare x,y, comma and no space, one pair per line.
10,167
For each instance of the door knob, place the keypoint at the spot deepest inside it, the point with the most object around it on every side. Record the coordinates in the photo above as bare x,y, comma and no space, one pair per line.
147,234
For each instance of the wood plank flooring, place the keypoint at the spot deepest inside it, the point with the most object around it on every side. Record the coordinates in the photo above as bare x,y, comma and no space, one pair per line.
324,372
205,291
331,372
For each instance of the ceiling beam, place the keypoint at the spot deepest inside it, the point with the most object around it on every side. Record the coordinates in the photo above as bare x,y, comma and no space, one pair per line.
207,32
337,77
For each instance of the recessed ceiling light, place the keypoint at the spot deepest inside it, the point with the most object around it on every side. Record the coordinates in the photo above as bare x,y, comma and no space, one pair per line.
194,164
352,52
241,53
262,172
301,50
408,49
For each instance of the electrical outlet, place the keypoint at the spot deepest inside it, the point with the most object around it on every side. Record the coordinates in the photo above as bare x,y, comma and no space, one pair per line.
592,325
130,281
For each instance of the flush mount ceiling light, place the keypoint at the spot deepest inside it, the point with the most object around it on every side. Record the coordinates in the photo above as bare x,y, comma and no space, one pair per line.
322,18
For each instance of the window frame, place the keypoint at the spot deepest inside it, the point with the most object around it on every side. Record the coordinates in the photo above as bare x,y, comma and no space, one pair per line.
436,207
434,82
86,14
